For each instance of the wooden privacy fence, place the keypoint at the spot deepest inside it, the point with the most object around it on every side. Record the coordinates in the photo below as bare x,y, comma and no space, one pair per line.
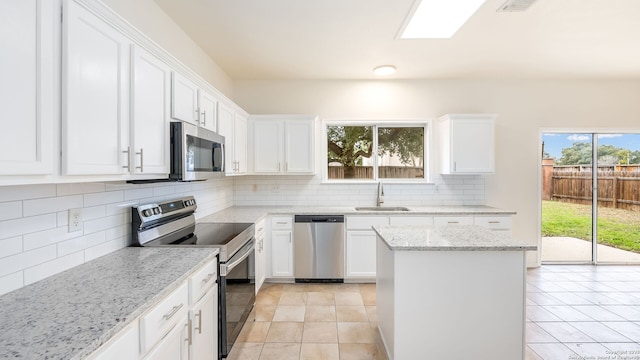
616,188
384,172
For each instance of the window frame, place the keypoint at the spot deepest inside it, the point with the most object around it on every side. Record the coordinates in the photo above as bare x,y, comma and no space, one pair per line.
427,126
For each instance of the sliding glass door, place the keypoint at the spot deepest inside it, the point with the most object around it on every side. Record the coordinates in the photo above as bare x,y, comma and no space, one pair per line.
590,214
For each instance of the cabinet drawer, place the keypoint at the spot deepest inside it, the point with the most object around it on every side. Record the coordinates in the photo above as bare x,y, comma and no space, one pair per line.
281,222
366,222
453,220
493,222
161,318
410,220
202,280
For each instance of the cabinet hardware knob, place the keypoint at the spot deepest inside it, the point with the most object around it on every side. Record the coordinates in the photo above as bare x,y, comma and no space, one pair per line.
141,153
128,166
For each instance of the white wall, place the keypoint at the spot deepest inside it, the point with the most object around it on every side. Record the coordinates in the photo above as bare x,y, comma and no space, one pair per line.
147,17
35,243
524,107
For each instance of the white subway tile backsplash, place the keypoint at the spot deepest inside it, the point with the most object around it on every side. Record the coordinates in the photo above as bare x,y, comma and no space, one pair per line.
24,192
52,267
23,260
10,246
35,247
108,197
48,237
11,282
10,210
49,205
27,225
80,243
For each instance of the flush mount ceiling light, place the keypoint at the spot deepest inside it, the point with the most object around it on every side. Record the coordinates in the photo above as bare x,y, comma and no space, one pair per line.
438,19
385,70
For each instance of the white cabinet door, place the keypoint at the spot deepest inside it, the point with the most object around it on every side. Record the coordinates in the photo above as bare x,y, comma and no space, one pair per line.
151,79
281,254
207,105
240,143
361,254
26,89
174,345
124,346
226,128
95,105
267,140
184,99
468,143
299,146
204,327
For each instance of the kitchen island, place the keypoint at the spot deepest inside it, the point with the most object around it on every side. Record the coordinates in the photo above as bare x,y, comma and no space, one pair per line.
451,292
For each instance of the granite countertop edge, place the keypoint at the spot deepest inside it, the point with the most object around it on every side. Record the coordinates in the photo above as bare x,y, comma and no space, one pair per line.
447,238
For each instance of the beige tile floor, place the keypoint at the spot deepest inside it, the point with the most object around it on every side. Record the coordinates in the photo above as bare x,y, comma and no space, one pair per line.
311,321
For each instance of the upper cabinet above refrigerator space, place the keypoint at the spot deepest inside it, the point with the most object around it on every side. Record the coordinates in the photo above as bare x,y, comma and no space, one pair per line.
467,143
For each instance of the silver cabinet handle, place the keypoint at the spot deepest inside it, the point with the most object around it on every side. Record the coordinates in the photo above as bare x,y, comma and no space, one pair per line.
199,327
209,276
286,166
453,222
141,153
204,117
494,222
128,166
173,311
278,167
455,167
281,222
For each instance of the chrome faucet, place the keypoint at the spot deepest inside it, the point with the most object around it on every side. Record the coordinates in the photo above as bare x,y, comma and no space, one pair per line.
380,198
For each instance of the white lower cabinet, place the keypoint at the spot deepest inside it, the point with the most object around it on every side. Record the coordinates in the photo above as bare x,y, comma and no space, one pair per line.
123,346
203,322
174,345
282,246
360,254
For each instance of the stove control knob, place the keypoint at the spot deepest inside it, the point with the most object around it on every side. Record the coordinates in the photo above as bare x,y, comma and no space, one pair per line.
156,211
147,212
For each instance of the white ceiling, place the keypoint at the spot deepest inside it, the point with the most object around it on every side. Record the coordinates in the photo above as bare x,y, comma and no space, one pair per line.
346,39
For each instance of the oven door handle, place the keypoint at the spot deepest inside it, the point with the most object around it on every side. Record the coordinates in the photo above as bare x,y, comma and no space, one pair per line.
224,270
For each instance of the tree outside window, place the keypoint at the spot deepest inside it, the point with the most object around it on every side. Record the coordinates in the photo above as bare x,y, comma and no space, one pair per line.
351,150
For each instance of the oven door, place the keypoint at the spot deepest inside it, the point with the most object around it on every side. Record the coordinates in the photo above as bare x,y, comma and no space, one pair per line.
237,295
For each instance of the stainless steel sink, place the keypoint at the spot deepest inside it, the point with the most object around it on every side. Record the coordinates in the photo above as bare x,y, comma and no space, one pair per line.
382,208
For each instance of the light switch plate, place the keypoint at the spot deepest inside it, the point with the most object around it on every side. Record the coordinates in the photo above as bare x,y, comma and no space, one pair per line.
75,220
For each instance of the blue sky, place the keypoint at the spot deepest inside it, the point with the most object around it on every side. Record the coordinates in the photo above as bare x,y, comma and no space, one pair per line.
555,142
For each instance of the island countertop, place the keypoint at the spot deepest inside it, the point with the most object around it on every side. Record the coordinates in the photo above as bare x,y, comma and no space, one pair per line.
69,315
448,238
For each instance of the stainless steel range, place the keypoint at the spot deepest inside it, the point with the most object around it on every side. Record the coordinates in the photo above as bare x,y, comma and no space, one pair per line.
172,223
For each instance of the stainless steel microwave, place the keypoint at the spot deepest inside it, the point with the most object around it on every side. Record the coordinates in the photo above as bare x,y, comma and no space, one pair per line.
196,153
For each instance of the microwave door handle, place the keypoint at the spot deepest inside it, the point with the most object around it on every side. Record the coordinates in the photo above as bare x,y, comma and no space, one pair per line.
224,163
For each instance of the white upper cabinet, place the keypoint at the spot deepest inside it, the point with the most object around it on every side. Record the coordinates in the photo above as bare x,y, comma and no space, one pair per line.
467,143
150,104
27,87
283,144
207,110
184,99
233,126
192,104
95,99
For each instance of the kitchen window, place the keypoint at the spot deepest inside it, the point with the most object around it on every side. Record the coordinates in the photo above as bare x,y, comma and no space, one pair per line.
375,151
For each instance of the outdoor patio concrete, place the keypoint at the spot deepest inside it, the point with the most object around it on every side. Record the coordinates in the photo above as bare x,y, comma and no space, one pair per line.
568,249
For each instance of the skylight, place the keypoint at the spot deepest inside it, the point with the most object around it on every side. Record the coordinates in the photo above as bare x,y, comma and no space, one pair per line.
439,19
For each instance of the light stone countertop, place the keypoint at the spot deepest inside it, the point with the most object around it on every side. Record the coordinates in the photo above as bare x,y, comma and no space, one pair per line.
252,214
448,238
69,315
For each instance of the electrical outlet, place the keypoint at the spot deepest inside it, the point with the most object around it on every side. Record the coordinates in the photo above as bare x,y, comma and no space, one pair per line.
75,220
275,188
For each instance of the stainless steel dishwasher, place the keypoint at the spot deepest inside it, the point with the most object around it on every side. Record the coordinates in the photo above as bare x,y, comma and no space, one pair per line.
319,248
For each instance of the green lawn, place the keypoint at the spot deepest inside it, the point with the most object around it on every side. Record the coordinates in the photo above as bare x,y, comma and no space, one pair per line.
618,228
